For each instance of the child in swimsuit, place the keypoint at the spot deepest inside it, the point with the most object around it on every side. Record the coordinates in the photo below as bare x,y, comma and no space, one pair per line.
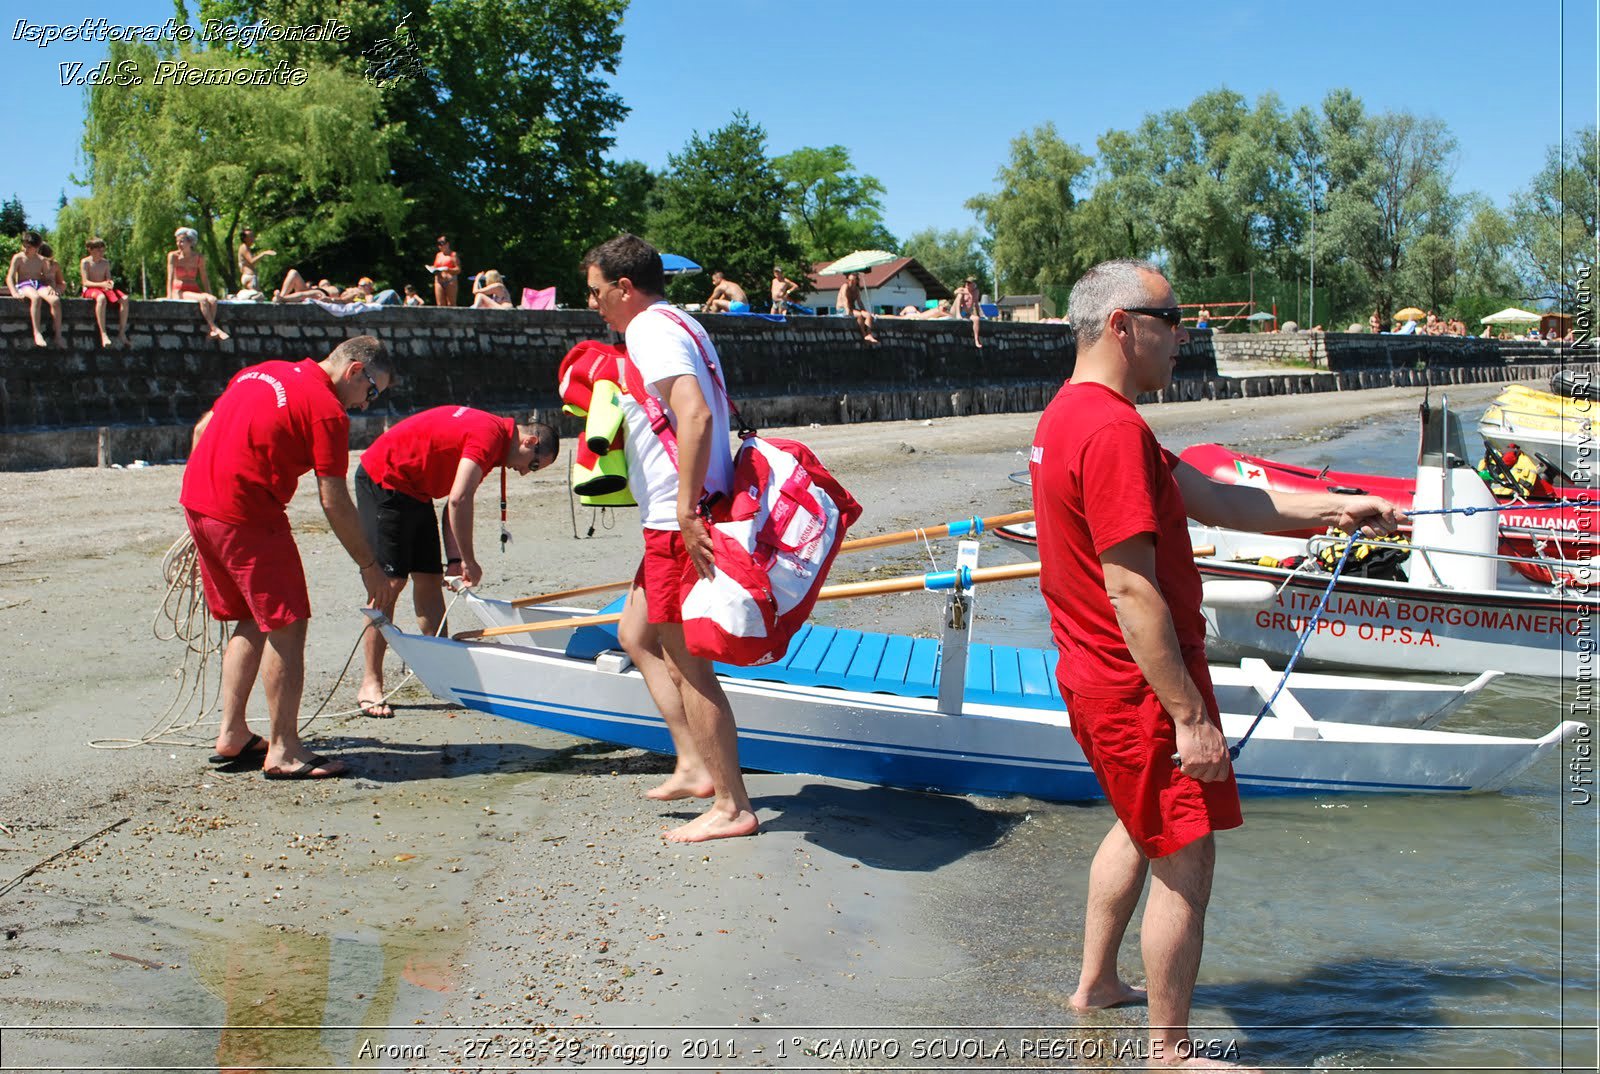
98,287
29,277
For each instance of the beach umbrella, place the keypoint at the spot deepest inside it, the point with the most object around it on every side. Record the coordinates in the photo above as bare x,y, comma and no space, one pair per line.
1262,316
676,265
860,261
1410,313
1511,315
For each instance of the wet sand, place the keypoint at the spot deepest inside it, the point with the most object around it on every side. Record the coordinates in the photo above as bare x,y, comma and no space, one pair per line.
478,872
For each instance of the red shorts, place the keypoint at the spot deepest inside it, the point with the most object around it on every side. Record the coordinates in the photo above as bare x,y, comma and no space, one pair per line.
1129,742
666,574
250,573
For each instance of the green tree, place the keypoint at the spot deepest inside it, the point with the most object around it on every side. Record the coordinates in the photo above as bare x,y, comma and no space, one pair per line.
501,116
1032,219
301,164
720,204
13,220
951,255
1486,279
631,191
830,208
1557,219
1388,187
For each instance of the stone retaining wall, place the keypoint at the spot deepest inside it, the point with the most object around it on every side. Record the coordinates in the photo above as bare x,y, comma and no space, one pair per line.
84,404
1341,352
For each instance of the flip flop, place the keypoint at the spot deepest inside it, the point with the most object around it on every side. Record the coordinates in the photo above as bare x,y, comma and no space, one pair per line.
255,750
368,709
317,768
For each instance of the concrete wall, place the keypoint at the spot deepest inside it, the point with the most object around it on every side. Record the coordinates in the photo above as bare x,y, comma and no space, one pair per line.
1345,352
83,404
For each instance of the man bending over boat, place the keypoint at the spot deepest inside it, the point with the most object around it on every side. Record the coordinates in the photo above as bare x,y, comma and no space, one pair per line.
1119,578
441,453
273,423
671,352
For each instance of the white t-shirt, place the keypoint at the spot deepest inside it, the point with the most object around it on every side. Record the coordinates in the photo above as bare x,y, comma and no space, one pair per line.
660,348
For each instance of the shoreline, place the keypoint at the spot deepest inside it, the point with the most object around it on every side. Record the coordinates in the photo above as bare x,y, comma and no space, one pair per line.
477,871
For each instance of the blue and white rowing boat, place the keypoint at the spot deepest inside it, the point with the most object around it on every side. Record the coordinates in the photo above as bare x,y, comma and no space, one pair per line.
886,709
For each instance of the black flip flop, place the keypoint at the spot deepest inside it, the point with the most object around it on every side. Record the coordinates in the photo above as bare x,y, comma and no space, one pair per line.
306,771
253,755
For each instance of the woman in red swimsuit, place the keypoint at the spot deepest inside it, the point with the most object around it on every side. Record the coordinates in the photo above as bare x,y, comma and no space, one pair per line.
187,278
446,269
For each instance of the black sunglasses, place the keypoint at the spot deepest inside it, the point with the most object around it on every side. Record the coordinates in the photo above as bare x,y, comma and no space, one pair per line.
373,391
1171,314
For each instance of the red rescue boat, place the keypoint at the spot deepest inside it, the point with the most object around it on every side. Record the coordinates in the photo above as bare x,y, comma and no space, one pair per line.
1542,531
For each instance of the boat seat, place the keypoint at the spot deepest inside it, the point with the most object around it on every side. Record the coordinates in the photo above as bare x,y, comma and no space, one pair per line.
874,663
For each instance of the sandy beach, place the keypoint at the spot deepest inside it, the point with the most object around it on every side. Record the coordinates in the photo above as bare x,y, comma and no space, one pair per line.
478,873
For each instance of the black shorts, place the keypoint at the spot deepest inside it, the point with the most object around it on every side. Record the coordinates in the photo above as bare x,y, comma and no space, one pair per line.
401,529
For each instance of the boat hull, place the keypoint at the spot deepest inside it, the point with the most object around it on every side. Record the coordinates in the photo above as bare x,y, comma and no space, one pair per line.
907,743
1391,624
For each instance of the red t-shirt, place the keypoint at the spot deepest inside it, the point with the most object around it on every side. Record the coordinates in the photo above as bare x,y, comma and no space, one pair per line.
420,456
273,423
1100,477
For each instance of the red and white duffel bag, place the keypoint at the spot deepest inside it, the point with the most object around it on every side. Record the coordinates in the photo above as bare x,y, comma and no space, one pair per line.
773,538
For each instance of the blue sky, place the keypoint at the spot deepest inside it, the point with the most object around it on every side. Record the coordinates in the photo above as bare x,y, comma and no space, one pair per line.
928,95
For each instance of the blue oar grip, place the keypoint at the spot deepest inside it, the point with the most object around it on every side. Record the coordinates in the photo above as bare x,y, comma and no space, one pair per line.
966,526
960,578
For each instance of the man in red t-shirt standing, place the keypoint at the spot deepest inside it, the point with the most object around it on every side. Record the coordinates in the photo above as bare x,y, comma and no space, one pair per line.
1118,575
441,453
275,422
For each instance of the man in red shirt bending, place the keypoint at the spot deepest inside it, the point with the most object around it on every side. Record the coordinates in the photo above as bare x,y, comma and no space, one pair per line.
273,423
1124,595
441,453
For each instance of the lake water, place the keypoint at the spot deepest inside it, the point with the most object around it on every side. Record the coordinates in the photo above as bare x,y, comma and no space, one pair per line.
1384,932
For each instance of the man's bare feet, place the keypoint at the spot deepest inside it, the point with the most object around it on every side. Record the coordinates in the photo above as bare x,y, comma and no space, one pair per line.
678,786
61,343
1099,999
714,824
870,340
218,334
38,340
122,342
105,341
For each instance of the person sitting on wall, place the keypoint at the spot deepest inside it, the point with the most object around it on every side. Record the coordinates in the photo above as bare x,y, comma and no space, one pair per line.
249,259
850,305
412,298
27,278
782,288
98,287
726,296
489,292
188,281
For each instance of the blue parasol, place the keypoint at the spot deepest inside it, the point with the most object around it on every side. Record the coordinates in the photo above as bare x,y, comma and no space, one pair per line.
674,265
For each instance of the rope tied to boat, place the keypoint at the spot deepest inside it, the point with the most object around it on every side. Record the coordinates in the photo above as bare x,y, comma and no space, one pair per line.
1555,506
1300,645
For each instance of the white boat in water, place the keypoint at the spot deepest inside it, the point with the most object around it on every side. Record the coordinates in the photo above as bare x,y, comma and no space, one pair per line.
1454,606
937,714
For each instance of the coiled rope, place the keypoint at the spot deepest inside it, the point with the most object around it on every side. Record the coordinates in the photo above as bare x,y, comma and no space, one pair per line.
184,616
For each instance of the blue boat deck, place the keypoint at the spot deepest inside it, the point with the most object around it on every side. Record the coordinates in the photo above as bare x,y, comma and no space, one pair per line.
874,663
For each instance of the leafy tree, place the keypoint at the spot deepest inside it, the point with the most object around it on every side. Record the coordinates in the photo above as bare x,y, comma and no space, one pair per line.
631,189
952,256
1486,279
500,115
721,204
301,164
1388,187
13,220
831,209
1557,219
1032,219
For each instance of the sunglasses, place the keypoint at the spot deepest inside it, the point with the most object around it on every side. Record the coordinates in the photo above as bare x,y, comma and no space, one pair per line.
1171,314
373,391
594,292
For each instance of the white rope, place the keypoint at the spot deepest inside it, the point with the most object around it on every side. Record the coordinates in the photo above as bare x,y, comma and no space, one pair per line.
183,615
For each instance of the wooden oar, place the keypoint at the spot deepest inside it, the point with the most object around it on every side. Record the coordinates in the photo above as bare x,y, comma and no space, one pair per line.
884,540
907,583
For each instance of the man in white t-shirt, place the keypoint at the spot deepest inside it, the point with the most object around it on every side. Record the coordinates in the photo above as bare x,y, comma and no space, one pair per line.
671,353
